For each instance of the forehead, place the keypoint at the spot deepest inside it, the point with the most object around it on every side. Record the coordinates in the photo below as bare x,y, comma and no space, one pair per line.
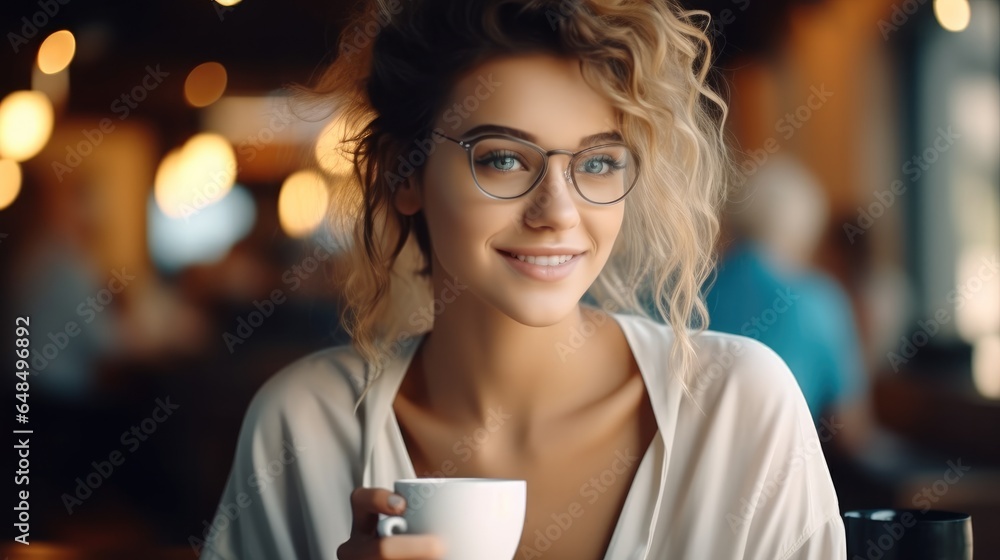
540,94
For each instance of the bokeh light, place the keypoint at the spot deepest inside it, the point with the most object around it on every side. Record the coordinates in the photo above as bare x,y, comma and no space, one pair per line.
10,182
953,15
195,175
985,369
56,52
302,202
202,237
205,84
26,119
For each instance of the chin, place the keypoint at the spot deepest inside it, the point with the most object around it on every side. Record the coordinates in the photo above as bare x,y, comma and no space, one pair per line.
538,309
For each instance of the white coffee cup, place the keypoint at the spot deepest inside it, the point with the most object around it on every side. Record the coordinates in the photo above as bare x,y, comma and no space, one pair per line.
479,518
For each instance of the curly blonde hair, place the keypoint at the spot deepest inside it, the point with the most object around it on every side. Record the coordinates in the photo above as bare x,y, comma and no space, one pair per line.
397,62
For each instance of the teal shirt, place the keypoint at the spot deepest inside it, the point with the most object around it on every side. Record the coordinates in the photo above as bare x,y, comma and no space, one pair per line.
806,318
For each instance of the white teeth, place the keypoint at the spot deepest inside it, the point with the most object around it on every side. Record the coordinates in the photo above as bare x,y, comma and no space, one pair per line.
554,260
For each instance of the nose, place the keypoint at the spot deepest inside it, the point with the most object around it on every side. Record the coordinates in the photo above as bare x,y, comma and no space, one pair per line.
551,205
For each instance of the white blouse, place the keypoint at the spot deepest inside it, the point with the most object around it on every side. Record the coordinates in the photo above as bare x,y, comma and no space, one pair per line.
734,471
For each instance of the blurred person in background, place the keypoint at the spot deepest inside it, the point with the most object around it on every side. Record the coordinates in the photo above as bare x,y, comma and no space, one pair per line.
766,288
58,282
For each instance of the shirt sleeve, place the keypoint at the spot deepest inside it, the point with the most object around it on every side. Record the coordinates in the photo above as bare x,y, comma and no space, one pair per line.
783,504
288,492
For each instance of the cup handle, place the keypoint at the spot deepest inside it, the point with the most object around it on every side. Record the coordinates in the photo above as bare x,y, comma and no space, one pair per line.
391,525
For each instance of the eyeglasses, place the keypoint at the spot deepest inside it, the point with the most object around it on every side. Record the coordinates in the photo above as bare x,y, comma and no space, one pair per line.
505,167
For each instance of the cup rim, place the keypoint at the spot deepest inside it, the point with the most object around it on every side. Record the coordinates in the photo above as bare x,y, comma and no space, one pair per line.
925,516
458,480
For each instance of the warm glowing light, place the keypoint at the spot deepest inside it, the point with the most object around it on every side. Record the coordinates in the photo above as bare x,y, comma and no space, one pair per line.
986,366
56,52
195,175
10,182
953,15
977,293
205,84
302,203
25,124
228,2
332,154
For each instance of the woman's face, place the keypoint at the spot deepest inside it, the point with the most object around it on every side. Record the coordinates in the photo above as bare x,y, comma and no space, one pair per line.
474,238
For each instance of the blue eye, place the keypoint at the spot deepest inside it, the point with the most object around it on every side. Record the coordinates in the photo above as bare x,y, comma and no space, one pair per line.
503,161
600,165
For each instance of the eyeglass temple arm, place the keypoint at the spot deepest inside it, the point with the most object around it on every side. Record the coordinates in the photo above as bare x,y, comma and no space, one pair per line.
461,143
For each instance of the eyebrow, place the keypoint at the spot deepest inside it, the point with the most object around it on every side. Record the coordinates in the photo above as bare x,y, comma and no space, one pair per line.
592,140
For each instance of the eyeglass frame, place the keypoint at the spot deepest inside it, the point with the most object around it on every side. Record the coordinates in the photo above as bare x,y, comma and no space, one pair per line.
469,144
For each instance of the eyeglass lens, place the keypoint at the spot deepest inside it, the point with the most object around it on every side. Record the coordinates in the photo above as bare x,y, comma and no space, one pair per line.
507,168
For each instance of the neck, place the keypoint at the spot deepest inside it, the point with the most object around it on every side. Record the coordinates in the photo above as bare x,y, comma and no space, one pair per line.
477,361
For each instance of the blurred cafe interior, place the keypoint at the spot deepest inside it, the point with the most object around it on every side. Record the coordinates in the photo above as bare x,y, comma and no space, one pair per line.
162,223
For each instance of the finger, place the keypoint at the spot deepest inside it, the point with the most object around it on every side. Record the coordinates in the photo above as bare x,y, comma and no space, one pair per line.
407,547
367,503
398,547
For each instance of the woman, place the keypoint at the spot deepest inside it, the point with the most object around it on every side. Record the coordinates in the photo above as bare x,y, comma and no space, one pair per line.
511,157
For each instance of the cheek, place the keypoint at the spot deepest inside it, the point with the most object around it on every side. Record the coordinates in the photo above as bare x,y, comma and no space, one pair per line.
605,225
459,217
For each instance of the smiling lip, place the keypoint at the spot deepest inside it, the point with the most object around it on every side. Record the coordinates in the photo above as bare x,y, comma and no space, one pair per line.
550,264
541,251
